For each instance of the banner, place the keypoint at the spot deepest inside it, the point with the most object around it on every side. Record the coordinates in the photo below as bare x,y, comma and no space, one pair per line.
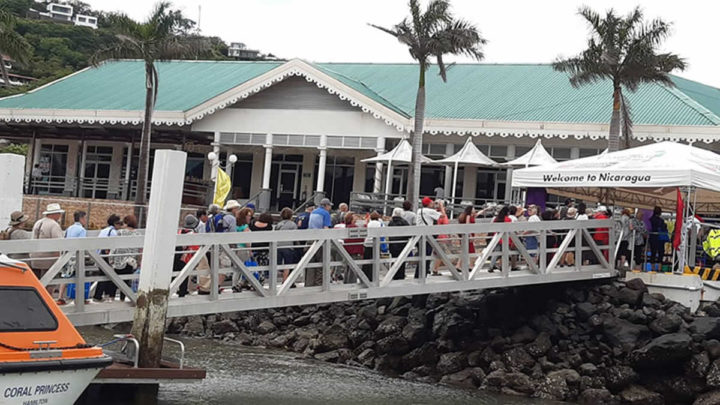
222,187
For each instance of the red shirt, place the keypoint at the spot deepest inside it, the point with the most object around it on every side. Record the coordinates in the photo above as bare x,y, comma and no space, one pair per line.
354,246
602,235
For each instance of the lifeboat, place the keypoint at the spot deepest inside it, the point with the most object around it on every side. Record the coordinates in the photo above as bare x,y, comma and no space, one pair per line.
43,358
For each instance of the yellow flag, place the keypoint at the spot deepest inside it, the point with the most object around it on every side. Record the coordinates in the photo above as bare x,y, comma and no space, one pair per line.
222,187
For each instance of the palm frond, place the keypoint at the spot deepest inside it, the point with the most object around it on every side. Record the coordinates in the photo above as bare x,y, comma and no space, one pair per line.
15,46
437,14
458,38
385,30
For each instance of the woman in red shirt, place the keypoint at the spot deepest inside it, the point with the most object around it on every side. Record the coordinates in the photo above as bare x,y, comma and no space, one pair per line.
502,216
354,246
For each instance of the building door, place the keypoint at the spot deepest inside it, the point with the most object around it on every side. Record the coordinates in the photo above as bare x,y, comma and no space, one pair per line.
285,181
399,180
96,175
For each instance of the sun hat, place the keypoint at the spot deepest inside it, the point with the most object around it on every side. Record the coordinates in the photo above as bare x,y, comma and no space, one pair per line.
326,201
191,222
53,208
232,204
426,201
17,218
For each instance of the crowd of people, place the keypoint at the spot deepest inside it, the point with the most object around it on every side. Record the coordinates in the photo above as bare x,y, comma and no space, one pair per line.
636,240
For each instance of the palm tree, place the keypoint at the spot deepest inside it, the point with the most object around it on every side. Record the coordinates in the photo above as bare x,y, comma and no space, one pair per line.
163,36
431,34
623,50
12,45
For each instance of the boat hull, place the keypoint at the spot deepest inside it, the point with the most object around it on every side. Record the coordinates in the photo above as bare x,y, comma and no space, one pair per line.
47,382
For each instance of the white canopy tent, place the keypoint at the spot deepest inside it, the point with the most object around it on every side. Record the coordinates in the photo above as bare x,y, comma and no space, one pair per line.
644,170
664,164
469,155
401,154
537,156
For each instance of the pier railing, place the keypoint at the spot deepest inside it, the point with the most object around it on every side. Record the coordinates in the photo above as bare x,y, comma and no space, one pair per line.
396,261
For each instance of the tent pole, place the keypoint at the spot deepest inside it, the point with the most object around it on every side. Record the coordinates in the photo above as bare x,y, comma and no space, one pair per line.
387,186
454,189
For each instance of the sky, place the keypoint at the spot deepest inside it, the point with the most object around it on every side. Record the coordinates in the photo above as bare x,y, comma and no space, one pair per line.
519,31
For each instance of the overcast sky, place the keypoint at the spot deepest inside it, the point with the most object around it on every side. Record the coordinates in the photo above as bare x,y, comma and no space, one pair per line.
520,31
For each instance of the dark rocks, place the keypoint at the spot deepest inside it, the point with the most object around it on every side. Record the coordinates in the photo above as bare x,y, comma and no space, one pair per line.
415,334
636,284
391,326
427,355
708,328
639,395
623,333
393,344
666,350
450,324
540,346
630,296
194,326
223,327
557,385
468,378
619,377
666,324
265,327
523,335
585,310
708,398
713,375
519,382
334,337
518,359
698,365
451,363
597,396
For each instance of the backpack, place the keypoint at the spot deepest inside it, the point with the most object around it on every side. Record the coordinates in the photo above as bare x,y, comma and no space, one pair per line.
5,235
215,223
304,220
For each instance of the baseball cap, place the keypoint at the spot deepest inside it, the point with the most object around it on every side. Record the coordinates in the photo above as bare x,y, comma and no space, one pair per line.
426,201
326,201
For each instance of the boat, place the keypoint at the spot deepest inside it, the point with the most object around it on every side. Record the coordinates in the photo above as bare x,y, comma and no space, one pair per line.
43,358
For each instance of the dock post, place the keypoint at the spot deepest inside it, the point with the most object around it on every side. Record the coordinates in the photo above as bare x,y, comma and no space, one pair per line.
158,250
11,178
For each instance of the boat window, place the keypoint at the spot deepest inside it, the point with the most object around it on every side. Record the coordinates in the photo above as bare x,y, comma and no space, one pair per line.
23,310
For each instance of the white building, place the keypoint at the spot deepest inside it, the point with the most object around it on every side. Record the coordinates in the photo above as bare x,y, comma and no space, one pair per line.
300,128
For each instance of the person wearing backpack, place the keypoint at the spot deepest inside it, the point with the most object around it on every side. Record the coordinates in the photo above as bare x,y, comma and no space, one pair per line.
658,238
16,231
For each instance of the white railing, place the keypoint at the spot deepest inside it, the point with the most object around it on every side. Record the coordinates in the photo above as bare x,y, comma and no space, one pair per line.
324,253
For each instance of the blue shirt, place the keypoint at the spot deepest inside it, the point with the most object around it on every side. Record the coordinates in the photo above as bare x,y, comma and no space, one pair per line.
319,219
75,230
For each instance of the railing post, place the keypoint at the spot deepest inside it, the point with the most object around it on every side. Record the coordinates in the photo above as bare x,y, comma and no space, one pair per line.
326,268
465,256
80,281
542,251
376,262
578,248
611,245
505,254
272,256
422,271
215,272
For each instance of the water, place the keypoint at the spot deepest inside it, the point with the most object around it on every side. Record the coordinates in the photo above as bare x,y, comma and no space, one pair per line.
245,375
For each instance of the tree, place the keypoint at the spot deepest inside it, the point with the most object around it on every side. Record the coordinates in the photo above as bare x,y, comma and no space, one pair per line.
12,45
623,50
163,36
431,34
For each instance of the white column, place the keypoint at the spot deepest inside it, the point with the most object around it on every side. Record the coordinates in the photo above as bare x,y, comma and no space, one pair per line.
268,161
322,162
379,148
449,151
508,176
11,178
216,161
128,168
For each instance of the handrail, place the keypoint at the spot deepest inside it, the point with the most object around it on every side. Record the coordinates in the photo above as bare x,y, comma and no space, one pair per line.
302,206
182,349
254,198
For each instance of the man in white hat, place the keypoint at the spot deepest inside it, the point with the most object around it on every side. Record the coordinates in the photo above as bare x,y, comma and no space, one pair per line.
47,228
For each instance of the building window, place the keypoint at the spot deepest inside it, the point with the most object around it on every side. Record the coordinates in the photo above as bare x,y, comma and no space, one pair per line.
53,165
242,175
560,154
498,151
521,150
339,175
589,152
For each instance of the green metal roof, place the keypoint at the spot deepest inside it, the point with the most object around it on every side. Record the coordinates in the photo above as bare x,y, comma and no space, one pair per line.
120,85
512,92
503,92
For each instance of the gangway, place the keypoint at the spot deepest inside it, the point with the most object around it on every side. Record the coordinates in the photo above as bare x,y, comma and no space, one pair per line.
324,252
